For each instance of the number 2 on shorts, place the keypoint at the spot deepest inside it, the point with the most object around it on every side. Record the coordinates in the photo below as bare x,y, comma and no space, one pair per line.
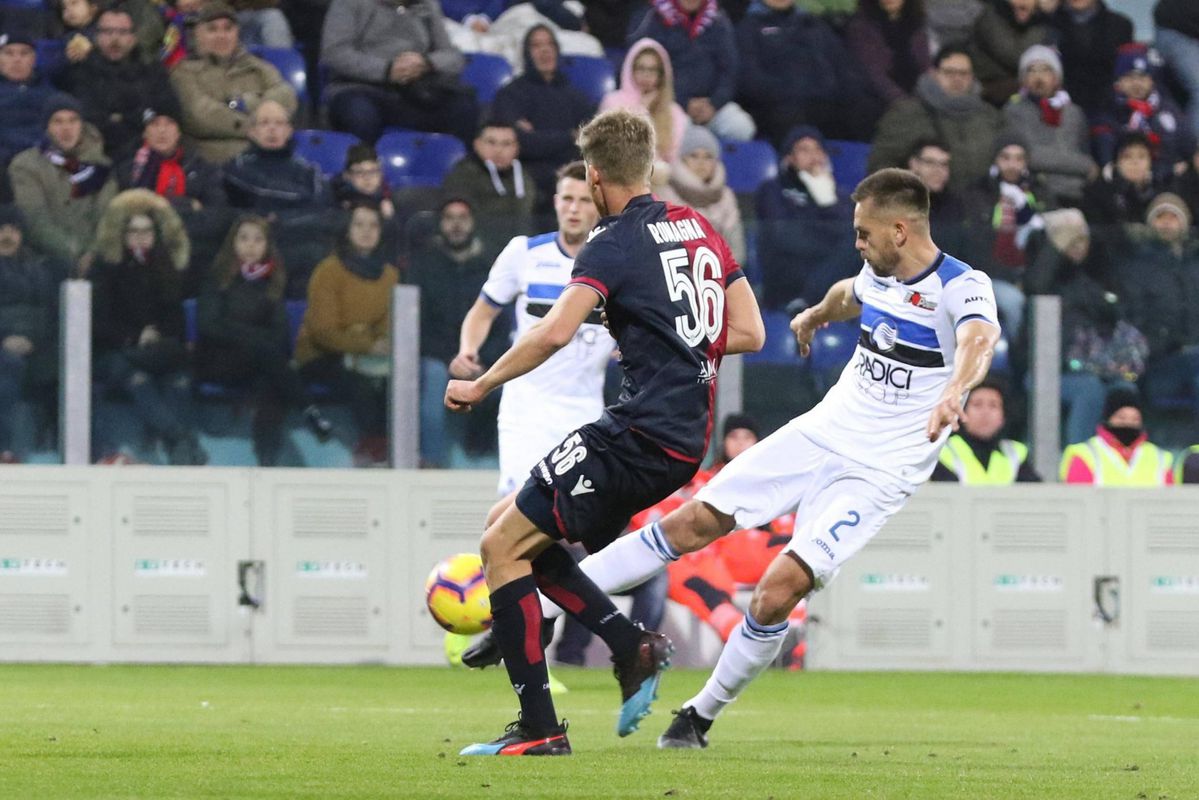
849,522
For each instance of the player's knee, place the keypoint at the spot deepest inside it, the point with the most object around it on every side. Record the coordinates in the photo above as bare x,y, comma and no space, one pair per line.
494,547
694,526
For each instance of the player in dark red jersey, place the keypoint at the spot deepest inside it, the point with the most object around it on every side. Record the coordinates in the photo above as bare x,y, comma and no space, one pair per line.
676,304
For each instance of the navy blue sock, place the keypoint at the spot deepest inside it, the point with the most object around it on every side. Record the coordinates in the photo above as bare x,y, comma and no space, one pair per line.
516,615
560,579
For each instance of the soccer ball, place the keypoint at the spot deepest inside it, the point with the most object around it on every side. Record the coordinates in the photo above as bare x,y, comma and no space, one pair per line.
457,595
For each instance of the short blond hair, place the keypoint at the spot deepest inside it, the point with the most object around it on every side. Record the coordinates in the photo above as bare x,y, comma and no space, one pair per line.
620,144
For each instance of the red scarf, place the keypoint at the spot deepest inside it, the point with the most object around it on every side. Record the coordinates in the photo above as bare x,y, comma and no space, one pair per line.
1141,118
257,271
673,15
166,171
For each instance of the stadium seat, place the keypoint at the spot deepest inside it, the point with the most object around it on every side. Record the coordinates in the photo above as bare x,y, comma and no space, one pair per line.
780,347
325,149
411,158
295,318
848,160
487,73
591,75
191,326
290,64
50,56
832,348
1001,359
748,164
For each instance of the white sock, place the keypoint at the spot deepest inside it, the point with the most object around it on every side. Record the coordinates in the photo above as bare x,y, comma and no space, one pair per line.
750,648
627,562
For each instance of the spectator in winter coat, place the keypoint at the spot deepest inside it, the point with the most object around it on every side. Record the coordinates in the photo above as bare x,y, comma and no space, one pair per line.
806,239
1088,35
647,84
1120,196
62,185
344,341
1162,286
22,96
698,180
1177,23
699,38
1059,151
391,63
244,338
220,86
545,110
137,318
795,70
1002,33
932,162
889,39
1139,106
116,86
946,106
493,180
362,182
28,329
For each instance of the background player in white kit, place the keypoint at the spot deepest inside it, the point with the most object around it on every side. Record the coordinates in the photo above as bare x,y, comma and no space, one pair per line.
537,410
929,327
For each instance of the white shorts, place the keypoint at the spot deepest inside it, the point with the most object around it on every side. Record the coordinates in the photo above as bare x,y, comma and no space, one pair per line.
839,503
521,449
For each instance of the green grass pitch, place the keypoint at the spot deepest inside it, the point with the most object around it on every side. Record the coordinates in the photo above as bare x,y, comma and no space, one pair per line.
374,732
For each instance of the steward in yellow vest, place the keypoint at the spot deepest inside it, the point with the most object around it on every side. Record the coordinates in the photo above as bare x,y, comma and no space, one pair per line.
1120,453
976,456
1186,469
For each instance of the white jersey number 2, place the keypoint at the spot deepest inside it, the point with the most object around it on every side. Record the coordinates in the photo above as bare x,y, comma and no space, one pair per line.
698,283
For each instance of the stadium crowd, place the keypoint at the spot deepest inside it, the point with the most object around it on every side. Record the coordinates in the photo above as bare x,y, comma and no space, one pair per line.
230,178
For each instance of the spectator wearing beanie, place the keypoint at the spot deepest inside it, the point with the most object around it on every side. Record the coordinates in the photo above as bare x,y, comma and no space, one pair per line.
697,179
1139,106
62,185
1163,290
1070,265
220,85
22,96
1059,147
806,242
115,86
1088,37
946,106
1120,453
162,165
1177,23
1002,33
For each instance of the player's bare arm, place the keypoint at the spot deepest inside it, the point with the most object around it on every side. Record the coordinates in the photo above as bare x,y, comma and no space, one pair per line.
975,346
530,351
838,304
475,327
746,331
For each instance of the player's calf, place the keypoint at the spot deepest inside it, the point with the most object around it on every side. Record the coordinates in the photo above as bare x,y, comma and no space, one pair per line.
695,525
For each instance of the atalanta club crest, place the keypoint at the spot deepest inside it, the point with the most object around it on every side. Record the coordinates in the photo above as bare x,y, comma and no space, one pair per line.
883,334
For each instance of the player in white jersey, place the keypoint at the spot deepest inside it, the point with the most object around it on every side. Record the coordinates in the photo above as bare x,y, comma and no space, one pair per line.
537,410
928,330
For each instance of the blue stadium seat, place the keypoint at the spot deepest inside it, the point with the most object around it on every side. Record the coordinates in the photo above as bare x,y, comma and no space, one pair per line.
780,347
191,326
191,332
848,161
487,73
592,76
295,318
411,158
50,56
748,164
290,64
1001,360
325,149
832,348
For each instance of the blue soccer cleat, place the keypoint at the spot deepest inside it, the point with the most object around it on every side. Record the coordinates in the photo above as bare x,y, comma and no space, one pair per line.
639,677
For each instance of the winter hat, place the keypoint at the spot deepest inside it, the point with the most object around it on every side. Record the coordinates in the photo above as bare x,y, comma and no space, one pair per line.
697,137
1132,57
800,132
167,106
217,9
1064,227
11,215
60,101
1166,202
1042,54
740,421
1118,398
1007,139
16,37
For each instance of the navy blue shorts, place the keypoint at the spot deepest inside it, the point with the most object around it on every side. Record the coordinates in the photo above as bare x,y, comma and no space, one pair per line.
588,488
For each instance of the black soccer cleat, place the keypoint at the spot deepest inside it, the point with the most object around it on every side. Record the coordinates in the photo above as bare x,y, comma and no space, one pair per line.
485,651
518,740
685,732
638,677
